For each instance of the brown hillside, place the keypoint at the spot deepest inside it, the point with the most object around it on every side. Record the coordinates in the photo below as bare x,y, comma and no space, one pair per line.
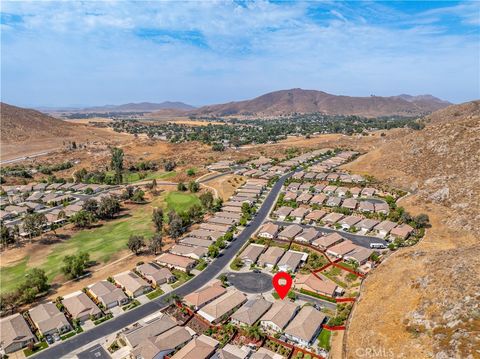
20,124
308,101
424,301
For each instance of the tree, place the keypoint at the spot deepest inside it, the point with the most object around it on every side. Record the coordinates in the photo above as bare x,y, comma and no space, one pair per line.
74,265
34,223
181,187
220,243
155,244
109,206
213,251
82,219
191,172
254,331
169,166
175,225
6,235
138,196
128,193
136,243
217,204
421,221
117,163
206,199
245,209
195,213
37,279
90,205
193,186
157,219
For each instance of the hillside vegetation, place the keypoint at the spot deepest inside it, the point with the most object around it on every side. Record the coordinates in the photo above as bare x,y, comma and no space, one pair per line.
423,302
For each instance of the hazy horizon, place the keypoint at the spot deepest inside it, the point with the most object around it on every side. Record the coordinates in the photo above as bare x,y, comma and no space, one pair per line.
82,54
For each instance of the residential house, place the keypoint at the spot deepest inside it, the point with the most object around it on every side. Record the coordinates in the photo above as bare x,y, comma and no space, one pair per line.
332,218
17,210
48,319
279,315
188,251
333,202
291,260
108,294
215,227
270,257
299,213
402,231
366,224
366,206
196,242
157,347
329,189
155,275
318,199
226,214
201,347
137,334
202,297
341,249
306,326
132,284
170,260
341,191
250,255
290,196
315,215
349,222
315,283
222,307
15,333
283,212
304,198
383,228
328,240
81,307
350,203
307,235
230,351
204,234
225,221
251,311
360,255
289,232
368,192
318,187
269,230
382,207
232,209
264,353
355,191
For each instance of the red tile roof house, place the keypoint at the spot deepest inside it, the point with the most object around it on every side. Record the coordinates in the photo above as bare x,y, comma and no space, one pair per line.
359,255
202,297
283,212
315,216
384,228
328,241
299,213
315,284
365,206
349,222
341,249
341,191
401,232
268,230
330,189
355,191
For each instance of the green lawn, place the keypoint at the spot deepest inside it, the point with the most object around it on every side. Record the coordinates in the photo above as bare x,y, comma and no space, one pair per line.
180,201
37,347
324,339
156,293
132,177
11,276
182,277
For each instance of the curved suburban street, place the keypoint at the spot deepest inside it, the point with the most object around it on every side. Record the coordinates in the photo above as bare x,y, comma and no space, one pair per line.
62,350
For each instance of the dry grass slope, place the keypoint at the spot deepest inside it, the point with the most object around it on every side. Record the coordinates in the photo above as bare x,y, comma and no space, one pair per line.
423,302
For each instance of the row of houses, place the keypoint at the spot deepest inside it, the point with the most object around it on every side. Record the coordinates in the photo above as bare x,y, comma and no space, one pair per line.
286,261
216,304
309,175
331,190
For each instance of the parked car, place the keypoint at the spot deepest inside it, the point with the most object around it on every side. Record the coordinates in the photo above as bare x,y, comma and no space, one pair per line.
257,270
49,339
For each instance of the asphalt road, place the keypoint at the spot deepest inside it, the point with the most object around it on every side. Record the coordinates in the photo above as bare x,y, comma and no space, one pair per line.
251,282
63,350
358,239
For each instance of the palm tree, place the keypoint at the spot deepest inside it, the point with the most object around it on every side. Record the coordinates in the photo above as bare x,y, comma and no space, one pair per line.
254,331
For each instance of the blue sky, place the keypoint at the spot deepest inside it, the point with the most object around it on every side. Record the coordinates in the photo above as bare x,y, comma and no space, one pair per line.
204,52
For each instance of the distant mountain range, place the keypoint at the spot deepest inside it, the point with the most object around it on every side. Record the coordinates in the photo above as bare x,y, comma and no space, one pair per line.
128,107
309,101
